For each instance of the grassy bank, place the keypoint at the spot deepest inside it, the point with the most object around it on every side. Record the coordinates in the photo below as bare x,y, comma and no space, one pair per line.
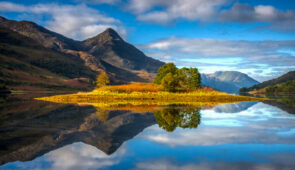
145,93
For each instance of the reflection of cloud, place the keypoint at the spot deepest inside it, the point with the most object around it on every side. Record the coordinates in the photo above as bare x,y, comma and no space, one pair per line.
260,123
82,156
166,164
163,165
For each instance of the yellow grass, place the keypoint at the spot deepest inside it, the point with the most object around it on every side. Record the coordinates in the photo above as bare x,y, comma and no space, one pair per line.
133,87
147,94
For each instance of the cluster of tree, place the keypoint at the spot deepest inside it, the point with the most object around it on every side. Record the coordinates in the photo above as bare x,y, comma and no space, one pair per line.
287,87
172,117
173,79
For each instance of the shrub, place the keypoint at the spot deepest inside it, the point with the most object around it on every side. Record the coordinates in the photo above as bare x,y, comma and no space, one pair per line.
102,79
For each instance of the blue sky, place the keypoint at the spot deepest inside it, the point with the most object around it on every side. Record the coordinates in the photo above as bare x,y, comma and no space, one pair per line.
254,37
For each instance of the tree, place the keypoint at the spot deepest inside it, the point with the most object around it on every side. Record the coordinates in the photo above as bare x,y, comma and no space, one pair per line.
102,79
189,78
171,78
194,79
164,70
170,82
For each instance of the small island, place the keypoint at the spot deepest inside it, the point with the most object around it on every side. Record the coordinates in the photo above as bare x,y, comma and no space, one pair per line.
171,86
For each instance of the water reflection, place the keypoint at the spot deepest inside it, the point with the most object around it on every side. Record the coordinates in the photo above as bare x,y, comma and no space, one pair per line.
30,129
286,102
57,136
175,116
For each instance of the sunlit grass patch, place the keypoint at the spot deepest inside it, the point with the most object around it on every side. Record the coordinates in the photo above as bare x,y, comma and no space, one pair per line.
145,93
132,87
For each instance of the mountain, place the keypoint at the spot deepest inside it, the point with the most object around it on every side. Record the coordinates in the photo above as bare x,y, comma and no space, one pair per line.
111,48
228,81
282,79
105,52
43,36
27,65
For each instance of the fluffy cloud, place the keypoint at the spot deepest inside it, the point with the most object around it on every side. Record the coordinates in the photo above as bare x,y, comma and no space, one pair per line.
250,57
283,20
164,12
220,48
174,9
76,21
99,1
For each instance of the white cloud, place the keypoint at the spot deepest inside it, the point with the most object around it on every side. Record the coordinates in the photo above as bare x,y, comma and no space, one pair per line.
99,1
278,19
174,9
247,56
75,21
140,6
163,12
11,7
220,48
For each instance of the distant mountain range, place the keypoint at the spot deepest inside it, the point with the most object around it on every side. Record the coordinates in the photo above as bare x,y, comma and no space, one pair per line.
228,81
33,55
282,79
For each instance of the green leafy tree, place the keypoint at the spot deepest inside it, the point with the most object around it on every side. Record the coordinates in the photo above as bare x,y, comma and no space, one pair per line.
170,82
189,78
164,70
171,78
287,87
102,79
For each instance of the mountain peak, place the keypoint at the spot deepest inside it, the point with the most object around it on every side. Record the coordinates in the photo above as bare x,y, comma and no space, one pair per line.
110,33
2,18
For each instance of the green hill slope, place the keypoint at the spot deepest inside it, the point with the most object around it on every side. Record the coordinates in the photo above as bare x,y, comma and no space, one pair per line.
282,79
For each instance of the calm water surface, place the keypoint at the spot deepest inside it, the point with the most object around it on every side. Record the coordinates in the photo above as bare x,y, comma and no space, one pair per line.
248,135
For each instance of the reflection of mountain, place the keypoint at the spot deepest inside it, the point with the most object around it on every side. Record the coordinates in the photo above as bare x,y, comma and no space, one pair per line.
233,108
39,127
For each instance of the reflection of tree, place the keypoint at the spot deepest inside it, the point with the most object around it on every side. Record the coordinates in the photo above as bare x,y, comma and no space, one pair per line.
102,114
172,117
288,100
284,102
